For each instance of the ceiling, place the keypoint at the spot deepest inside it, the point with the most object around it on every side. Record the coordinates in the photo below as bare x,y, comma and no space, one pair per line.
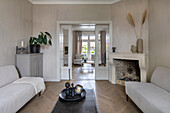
73,1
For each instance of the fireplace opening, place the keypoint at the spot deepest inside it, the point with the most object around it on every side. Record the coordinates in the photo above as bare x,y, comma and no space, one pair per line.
127,70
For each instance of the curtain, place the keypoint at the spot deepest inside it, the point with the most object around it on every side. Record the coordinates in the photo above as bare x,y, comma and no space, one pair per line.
103,47
78,40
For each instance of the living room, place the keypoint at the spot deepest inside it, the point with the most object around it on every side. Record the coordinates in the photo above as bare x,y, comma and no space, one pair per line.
22,19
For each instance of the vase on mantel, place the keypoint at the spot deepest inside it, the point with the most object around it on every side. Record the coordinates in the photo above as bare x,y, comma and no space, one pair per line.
133,48
139,45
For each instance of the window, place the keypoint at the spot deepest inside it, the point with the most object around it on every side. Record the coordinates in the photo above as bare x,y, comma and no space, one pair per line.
88,45
84,37
92,38
84,48
92,48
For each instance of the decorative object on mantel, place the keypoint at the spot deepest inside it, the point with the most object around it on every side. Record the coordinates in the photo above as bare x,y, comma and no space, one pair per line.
113,49
139,43
71,93
133,48
22,49
36,42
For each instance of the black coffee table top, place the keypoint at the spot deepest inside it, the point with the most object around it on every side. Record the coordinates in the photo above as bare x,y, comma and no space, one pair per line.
86,105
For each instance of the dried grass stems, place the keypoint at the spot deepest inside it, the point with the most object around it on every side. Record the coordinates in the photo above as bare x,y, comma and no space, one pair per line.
132,22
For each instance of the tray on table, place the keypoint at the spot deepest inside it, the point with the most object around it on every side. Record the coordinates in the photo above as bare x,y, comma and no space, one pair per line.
63,96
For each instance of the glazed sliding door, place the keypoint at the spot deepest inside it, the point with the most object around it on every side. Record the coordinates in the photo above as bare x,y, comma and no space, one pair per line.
65,51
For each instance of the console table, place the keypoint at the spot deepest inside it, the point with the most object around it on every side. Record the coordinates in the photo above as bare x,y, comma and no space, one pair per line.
30,64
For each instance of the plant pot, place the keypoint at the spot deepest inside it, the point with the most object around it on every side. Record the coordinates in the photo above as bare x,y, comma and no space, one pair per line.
34,48
139,46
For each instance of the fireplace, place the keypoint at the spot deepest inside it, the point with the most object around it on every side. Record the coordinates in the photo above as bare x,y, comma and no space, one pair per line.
127,70
127,67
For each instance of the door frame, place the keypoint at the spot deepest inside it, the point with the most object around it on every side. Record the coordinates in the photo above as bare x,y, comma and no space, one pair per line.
58,23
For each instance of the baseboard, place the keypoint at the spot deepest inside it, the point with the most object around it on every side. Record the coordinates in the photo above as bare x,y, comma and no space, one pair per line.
101,79
51,80
64,79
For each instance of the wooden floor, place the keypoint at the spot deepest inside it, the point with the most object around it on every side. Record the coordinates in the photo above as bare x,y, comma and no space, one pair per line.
110,98
85,72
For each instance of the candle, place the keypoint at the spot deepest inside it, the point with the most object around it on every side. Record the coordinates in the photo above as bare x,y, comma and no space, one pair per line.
69,78
69,75
22,43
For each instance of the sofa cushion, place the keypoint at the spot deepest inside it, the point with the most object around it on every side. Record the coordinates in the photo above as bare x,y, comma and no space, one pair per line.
149,97
13,96
8,74
161,77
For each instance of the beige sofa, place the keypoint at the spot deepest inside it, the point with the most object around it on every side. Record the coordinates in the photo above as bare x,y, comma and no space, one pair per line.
152,97
14,93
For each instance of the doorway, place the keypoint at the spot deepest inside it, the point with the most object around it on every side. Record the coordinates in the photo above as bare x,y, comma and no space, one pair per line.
86,56
83,50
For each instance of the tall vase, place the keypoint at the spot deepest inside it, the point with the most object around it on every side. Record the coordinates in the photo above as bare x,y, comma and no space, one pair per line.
139,46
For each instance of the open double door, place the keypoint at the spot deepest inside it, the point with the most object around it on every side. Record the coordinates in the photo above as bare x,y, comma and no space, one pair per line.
102,43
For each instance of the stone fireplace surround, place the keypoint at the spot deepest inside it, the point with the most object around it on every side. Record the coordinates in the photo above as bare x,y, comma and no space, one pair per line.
127,56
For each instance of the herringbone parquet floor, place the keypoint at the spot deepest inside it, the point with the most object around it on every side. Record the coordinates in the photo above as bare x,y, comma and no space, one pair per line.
110,98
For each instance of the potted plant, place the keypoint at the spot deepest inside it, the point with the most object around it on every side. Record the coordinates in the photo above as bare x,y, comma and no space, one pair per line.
43,38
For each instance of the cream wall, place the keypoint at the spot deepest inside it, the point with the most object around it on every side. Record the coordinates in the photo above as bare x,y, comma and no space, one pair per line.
15,25
159,33
123,34
45,18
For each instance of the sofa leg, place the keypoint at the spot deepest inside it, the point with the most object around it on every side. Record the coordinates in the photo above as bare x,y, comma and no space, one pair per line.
39,94
127,97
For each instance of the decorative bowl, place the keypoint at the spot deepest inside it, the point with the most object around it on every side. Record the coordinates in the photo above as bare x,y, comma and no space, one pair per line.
63,96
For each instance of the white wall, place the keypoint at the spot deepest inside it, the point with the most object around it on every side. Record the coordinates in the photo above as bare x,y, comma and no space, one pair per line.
123,34
159,33
45,18
15,25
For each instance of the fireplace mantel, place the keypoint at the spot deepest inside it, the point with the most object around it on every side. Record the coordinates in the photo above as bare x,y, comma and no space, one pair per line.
127,56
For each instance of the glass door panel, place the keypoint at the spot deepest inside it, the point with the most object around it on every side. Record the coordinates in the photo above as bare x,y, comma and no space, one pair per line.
102,49
65,47
66,51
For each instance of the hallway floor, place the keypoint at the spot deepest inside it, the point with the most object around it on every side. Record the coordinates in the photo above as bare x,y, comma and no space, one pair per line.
85,72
